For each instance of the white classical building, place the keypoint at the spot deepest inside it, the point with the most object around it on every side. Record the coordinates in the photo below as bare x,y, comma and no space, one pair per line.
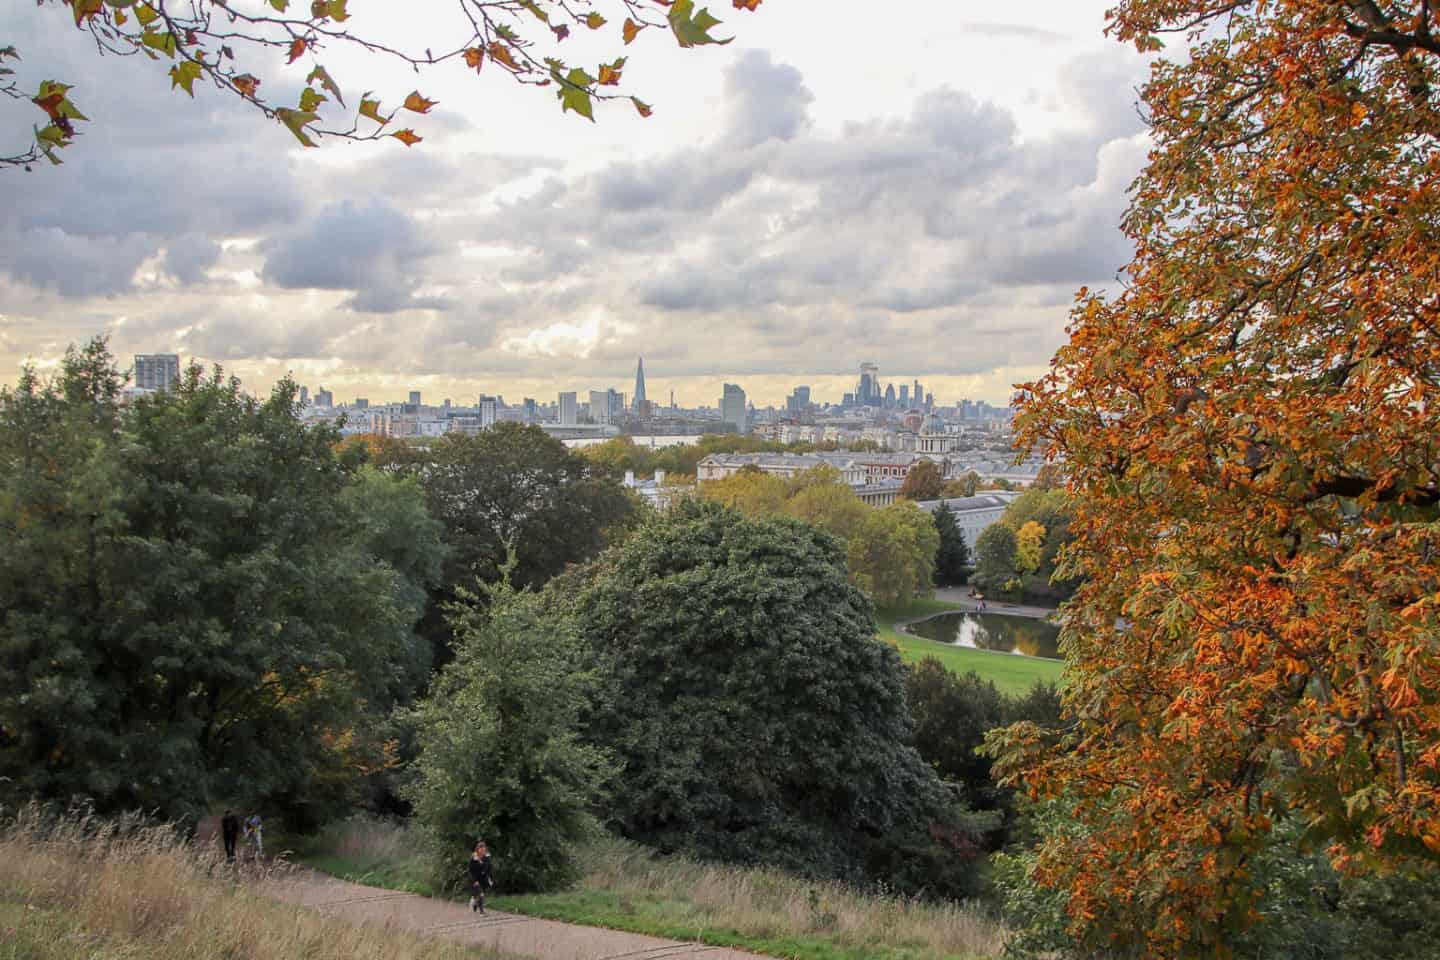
975,513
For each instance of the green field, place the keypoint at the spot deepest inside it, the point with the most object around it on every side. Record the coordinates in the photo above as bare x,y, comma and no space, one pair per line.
1010,674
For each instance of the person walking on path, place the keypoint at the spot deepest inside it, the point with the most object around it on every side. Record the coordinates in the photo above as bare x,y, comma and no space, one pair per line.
230,831
481,875
255,833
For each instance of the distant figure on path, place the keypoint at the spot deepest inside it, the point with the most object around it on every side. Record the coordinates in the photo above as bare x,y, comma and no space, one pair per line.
481,877
255,833
230,830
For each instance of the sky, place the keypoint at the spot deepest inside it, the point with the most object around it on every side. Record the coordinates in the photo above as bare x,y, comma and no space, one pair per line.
917,184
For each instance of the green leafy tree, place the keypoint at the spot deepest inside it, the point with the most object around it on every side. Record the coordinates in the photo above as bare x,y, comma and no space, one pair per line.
227,47
966,486
925,481
996,566
953,712
952,557
511,484
892,555
756,716
188,606
499,755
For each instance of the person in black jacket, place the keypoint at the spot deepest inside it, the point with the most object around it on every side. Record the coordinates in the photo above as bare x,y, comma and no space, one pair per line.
230,830
481,876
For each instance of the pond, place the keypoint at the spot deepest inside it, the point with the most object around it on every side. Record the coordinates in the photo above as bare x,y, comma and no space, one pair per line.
1022,636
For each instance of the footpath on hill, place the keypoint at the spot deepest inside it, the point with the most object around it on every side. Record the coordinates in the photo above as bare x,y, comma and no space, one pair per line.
506,932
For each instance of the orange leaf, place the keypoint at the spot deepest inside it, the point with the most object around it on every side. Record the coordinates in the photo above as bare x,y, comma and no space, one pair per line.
609,75
297,49
407,137
501,54
474,58
746,4
246,84
641,107
631,29
594,21
417,104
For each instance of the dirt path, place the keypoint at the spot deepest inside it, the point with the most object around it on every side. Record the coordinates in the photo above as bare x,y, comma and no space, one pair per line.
507,932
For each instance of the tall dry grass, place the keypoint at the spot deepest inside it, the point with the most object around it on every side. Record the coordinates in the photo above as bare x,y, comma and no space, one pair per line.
766,903
143,891
755,902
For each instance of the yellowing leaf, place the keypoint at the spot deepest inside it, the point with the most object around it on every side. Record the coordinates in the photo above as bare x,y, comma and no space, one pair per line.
417,103
641,106
310,99
692,29
184,75
501,54
146,14
163,42
474,58
407,137
746,4
336,10
574,93
371,109
331,87
84,10
594,21
246,84
295,121
631,30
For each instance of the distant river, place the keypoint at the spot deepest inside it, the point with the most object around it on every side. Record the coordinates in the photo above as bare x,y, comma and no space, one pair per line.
638,441
1022,636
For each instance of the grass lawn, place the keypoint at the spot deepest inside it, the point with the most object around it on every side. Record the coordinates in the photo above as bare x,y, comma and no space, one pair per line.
1010,674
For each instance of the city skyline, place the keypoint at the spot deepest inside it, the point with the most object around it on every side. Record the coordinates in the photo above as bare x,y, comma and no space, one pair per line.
935,215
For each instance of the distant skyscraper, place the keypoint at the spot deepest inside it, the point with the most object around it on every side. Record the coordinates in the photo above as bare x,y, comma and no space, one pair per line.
890,396
639,400
362,403
415,397
488,412
567,410
867,393
156,371
732,409
600,406
905,395
918,392
304,396
672,399
324,398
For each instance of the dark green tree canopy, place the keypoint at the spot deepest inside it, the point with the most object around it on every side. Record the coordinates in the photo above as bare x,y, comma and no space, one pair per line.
953,557
757,716
188,606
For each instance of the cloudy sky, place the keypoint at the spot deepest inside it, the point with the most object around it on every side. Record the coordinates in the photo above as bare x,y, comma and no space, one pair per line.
919,184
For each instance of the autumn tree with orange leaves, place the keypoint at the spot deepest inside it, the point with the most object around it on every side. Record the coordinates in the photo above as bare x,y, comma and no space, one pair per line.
1250,431
243,48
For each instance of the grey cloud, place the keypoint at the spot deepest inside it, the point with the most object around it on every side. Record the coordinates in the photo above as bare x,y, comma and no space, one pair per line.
189,256
371,248
768,100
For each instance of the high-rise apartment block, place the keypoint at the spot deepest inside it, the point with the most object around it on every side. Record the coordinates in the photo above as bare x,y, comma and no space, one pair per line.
567,410
415,397
488,407
157,371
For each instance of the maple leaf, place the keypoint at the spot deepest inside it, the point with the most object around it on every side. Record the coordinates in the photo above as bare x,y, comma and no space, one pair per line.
184,75
501,55
326,82
371,109
692,29
561,31
574,93
610,73
246,84
641,107
407,137
298,46
746,4
295,121
418,104
474,58
594,21
631,30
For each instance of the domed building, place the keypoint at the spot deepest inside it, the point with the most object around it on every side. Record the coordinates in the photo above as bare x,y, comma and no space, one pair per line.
933,440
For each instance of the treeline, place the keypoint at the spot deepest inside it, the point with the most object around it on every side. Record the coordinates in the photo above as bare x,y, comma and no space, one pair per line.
203,601
1022,556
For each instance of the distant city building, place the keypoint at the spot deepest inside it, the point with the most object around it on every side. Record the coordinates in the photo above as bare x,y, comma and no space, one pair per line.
157,371
639,403
973,514
904,396
567,410
732,409
890,396
531,409
362,403
867,392
324,398
488,411
415,397
304,396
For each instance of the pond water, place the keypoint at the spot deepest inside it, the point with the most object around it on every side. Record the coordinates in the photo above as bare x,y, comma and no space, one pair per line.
1022,636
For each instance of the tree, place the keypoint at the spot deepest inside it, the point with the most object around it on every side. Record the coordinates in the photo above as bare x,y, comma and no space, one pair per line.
189,608
755,714
500,758
892,555
923,482
234,48
953,712
752,492
996,566
833,507
966,486
1249,430
1029,544
512,484
952,557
